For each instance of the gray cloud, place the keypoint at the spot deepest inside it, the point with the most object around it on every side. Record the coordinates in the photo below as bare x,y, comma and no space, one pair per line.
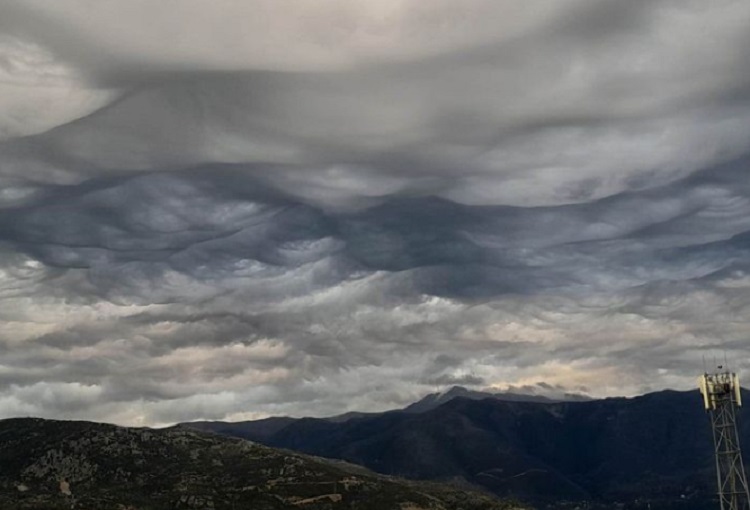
337,224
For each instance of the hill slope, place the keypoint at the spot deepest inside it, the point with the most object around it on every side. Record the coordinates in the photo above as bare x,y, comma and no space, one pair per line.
55,465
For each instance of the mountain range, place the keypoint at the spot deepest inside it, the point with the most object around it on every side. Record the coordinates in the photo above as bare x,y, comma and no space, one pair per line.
655,449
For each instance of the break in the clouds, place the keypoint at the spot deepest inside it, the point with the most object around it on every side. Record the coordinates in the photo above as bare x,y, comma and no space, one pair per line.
241,208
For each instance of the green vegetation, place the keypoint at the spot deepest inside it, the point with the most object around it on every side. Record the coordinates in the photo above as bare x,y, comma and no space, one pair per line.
88,466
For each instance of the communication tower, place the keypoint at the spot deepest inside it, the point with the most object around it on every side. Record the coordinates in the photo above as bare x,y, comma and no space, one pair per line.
721,398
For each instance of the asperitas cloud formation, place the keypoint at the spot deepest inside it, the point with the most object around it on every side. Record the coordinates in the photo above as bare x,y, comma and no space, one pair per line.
234,209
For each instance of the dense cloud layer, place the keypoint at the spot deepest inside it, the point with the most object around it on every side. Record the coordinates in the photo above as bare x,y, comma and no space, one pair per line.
238,209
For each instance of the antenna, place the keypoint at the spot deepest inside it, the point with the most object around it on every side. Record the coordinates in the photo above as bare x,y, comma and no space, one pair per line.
721,398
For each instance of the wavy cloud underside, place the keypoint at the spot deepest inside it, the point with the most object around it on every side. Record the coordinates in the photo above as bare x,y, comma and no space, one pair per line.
344,205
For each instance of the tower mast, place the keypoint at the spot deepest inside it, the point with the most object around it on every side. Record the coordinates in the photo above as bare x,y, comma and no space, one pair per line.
721,398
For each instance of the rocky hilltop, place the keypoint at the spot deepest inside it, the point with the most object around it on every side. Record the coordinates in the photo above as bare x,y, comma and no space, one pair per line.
81,465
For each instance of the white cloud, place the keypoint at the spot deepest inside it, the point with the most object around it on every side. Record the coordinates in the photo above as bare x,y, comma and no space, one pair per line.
299,35
37,92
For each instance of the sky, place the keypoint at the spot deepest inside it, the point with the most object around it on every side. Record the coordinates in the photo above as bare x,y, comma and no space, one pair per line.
235,209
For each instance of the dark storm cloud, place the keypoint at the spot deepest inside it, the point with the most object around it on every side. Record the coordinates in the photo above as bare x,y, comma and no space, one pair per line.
212,229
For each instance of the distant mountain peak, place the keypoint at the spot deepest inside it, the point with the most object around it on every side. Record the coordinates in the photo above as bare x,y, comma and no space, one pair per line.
456,391
436,399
